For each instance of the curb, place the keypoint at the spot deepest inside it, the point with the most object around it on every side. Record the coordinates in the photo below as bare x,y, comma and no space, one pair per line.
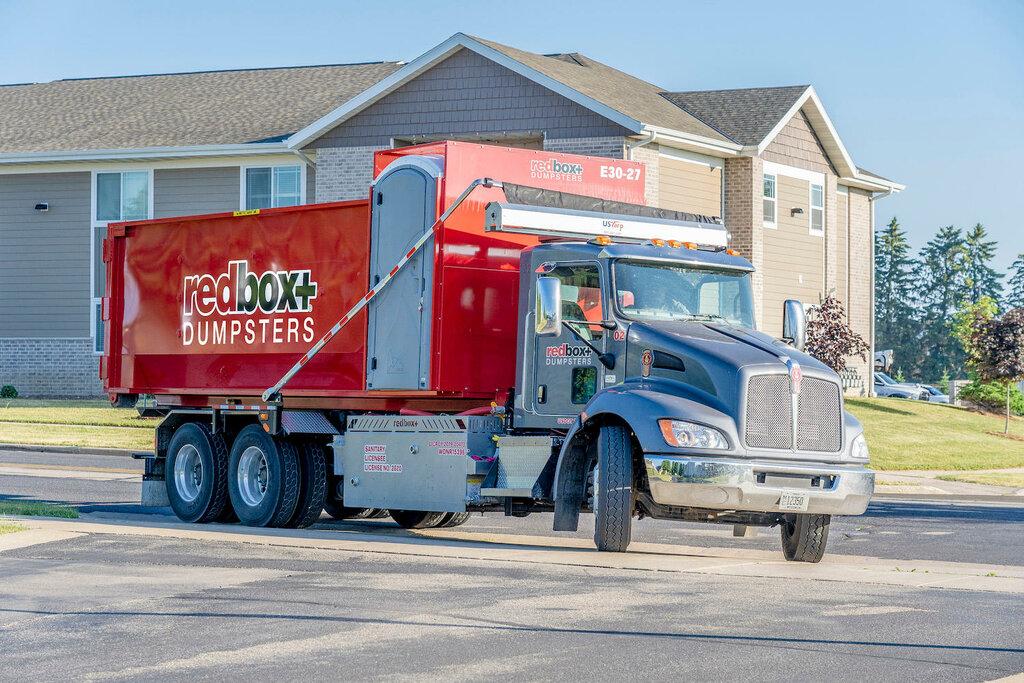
1005,498
75,450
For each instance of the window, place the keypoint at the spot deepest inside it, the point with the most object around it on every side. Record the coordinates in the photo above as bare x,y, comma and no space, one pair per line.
817,209
271,187
584,384
770,201
648,290
117,196
581,297
122,196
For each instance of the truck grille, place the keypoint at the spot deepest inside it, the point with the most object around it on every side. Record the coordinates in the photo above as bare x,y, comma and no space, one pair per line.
819,423
769,419
769,412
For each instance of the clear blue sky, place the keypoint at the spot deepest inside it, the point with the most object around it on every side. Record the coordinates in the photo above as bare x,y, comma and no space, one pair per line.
928,93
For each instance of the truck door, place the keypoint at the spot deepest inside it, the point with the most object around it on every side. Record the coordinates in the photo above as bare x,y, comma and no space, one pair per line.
398,338
566,371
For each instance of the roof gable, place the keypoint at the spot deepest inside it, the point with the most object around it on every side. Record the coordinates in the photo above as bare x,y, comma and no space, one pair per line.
467,96
618,97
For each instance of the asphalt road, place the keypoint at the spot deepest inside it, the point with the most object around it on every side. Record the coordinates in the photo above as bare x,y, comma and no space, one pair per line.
961,532
110,606
118,607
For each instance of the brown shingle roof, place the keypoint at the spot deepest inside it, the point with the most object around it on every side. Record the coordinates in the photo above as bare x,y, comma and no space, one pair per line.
745,115
215,107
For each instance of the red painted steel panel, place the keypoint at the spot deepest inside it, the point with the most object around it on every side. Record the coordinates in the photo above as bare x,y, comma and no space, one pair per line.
182,326
187,319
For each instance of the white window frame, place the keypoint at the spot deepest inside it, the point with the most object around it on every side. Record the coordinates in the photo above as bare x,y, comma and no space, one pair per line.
241,183
96,224
811,207
775,200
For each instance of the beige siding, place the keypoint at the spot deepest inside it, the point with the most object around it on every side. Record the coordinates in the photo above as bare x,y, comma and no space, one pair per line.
689,186
793,259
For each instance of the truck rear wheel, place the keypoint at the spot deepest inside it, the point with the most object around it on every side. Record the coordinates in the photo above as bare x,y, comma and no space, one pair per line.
415,519
264,478
452,519
312,485
196,479
613,489
804,537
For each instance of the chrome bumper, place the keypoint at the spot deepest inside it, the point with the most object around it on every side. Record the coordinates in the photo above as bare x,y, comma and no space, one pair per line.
757,485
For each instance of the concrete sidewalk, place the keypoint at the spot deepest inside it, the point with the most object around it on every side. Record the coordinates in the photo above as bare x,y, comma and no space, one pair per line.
926,483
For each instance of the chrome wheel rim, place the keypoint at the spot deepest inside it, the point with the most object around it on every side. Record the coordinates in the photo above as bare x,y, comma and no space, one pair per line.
188,473
252,476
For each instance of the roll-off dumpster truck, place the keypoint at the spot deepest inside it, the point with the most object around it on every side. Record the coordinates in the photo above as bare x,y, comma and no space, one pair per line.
490,330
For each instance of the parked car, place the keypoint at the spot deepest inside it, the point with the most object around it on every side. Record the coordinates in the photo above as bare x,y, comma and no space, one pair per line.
887,386
934,394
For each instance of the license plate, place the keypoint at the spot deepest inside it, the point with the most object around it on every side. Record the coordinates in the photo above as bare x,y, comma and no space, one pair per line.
793,501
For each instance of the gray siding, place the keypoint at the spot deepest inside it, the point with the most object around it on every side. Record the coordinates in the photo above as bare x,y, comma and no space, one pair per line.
44,257
464,95
188,191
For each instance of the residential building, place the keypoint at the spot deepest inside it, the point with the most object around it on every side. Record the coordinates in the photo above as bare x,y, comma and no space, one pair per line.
78,154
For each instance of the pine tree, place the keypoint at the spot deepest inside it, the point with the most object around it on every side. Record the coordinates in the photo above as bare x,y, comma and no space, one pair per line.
1015,284
980,278
942,289
896,325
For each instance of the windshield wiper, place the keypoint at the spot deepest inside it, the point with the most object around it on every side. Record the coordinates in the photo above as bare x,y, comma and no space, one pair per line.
607,359
704,316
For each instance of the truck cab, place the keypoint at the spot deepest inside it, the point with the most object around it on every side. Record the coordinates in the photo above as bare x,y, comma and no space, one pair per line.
647,355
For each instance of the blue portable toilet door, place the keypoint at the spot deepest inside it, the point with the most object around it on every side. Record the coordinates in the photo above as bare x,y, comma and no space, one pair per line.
398,339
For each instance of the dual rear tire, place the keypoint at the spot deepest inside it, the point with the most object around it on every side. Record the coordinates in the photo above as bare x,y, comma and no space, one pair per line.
415,519
262,481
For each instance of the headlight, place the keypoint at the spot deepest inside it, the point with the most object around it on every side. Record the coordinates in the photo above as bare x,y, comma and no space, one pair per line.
859,448
682,434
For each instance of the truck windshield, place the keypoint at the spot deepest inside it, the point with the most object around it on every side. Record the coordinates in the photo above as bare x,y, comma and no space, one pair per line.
648,290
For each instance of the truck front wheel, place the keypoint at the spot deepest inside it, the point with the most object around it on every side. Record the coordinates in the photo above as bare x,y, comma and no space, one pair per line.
263,478
804,537
197,467
613,489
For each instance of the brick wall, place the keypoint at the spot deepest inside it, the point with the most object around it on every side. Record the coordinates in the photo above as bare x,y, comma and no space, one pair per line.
50,367
343,173
744,218
648,156
607,146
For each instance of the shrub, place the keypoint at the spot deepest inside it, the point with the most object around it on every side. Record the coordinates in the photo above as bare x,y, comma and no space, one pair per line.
992,395
8,391
830,339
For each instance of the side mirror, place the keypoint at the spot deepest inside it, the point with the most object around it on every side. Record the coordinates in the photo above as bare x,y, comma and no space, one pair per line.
548,307
794,324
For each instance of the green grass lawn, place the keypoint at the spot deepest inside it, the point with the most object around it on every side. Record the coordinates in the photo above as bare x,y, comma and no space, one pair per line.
89,424
916,435
51,411
32,508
